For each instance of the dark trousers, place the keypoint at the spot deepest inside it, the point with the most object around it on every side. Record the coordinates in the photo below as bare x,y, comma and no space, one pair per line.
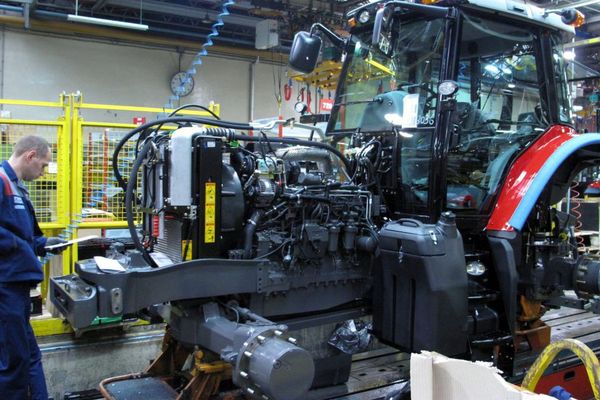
21,373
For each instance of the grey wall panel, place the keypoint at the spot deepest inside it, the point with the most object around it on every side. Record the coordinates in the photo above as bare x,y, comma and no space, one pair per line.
38,67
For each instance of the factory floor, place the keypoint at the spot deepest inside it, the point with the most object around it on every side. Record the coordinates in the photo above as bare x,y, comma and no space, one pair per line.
73,365
76,365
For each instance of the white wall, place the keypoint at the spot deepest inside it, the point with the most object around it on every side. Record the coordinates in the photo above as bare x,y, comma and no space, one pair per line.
38,67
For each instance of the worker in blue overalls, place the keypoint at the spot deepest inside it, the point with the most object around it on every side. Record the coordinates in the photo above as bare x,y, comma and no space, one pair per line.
21,242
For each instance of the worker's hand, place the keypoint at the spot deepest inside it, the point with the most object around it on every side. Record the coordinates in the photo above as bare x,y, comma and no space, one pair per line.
53,241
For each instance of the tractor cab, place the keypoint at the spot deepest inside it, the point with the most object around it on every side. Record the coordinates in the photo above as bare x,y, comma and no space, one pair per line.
455,93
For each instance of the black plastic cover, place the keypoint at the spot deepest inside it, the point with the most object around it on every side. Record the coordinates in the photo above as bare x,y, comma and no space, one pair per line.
412,237
420,293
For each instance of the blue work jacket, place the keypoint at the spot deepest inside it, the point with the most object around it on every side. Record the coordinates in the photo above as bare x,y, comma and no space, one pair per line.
21,239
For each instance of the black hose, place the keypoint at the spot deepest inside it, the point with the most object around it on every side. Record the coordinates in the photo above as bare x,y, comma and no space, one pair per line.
174,112
208,110
249,230
129,200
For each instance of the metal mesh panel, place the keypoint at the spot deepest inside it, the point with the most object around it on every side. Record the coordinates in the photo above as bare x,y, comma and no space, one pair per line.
44,192
102,198
169,244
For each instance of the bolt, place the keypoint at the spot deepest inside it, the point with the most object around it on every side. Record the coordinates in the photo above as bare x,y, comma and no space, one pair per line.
250,390
248,354
278,332
243,374
292,340
261,338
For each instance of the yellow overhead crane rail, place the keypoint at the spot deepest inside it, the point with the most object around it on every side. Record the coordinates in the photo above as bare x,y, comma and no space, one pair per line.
325,75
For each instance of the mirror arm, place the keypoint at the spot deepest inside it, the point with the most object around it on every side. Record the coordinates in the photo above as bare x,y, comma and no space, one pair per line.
335,39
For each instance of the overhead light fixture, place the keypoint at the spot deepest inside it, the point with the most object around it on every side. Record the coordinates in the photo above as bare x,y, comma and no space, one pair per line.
106,22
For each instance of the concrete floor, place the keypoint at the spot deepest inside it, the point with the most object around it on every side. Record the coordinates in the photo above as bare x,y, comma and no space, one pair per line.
75,364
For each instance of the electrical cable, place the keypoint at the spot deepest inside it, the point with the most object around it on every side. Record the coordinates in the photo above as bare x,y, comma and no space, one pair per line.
576,205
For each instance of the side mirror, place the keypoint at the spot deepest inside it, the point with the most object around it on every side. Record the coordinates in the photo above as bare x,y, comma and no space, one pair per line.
381,26
305,52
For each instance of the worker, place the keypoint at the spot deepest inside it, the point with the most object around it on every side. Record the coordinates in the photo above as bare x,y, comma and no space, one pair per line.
21,241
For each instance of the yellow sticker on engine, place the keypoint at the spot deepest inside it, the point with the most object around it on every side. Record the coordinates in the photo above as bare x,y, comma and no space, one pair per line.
211,193
209,233
209,214
186,245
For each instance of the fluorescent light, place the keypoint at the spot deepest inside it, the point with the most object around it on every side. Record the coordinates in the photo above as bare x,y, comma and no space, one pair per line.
106,22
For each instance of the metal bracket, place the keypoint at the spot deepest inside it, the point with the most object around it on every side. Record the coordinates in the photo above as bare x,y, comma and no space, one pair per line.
116,300
193,213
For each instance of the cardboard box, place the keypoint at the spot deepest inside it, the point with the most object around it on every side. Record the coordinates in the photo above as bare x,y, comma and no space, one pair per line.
436,377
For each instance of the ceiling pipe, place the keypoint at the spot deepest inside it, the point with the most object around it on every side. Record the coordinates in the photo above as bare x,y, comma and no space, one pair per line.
51,15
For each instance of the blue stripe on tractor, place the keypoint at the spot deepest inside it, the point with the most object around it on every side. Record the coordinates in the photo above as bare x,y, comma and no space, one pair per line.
545,174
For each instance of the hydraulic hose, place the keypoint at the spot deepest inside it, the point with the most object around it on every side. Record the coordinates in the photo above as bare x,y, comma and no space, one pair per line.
129,200
208,110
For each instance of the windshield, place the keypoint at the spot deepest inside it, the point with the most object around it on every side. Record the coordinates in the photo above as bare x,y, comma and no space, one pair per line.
408,72
500,108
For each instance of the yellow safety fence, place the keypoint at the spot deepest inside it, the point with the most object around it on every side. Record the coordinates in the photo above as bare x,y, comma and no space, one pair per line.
78,195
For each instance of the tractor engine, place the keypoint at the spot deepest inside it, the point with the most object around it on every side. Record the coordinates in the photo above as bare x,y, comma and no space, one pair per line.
233,241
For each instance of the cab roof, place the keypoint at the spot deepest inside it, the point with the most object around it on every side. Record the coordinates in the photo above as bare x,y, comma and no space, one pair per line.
510,9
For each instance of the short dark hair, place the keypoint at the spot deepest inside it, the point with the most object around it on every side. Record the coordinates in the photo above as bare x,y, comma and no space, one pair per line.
31,142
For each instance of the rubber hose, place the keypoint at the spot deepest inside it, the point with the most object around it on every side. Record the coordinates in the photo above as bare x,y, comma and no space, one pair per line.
249,232
129,199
